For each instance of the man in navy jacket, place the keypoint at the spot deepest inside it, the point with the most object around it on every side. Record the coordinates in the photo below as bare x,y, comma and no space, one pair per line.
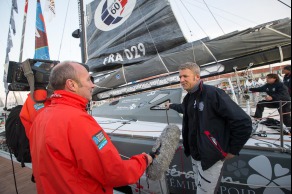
287,77
276,91
215,128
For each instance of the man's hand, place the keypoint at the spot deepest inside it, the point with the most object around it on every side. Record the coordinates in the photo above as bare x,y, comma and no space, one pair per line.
149,158
229,156
167,105
269,98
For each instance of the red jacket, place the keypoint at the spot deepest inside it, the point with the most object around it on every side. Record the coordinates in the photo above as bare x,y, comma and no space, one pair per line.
72,154
30,108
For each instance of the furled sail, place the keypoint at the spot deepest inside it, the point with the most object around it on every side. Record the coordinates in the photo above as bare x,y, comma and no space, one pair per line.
147,41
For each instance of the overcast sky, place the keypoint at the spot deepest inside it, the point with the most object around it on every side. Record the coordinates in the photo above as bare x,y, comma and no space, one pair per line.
231,15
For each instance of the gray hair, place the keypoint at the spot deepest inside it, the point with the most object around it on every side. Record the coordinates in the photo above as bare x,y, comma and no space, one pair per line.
61,73
191,66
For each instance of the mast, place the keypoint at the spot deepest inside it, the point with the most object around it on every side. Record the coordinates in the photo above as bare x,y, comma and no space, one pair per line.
23,30
82,31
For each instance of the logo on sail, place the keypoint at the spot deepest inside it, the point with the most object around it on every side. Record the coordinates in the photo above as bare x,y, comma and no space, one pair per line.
110,14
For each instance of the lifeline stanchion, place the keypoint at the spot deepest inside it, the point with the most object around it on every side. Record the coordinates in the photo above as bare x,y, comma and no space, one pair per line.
281,124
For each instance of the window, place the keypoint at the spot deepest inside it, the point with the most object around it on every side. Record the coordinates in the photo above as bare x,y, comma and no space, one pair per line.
158,97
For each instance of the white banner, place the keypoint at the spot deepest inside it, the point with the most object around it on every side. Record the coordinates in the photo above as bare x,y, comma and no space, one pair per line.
50,9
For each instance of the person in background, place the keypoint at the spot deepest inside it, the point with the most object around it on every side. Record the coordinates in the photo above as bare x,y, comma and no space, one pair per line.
34,105
70,152
287,77
215,128
276,92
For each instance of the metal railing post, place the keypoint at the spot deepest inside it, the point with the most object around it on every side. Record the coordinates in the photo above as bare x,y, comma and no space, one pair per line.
281,124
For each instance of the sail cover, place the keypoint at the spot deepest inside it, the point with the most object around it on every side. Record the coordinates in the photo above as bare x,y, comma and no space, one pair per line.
126,32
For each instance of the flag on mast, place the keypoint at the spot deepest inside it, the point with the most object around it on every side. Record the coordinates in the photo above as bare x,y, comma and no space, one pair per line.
41,40
25,7
14,6
9,42
12,22
50,9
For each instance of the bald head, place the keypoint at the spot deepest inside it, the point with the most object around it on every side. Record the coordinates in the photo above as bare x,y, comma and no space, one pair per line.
73,77
62,72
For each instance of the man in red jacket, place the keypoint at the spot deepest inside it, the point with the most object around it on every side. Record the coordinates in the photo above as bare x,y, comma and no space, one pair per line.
31,108
71,153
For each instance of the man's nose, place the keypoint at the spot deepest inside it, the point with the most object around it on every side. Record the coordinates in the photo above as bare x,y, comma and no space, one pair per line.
92,85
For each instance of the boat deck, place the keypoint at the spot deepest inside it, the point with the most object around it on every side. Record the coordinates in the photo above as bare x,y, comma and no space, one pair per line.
23,177
140,129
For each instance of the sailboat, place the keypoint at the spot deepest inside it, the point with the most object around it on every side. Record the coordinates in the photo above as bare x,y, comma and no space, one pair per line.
136,47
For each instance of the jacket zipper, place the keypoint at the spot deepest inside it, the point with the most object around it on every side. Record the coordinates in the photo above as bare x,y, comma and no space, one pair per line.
215,143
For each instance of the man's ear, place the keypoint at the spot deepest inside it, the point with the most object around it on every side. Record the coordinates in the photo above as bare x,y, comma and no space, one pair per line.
197,77
71,85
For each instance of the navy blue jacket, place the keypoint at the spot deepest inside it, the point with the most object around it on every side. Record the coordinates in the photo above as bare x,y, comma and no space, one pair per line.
287,82
278,91
177,107
223,126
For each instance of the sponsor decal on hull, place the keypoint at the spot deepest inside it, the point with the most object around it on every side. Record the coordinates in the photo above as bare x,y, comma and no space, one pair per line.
110,14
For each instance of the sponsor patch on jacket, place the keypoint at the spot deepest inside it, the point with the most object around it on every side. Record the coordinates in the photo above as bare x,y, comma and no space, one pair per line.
201,106
39,106
100,140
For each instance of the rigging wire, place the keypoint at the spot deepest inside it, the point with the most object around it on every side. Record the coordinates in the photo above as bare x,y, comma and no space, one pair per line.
153,40
222,10
203,31
191,32
214,17
194,18
184,19
64,29
123,63
227,19
284,3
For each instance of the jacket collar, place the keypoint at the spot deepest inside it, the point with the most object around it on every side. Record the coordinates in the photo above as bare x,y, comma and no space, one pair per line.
69,98
198,87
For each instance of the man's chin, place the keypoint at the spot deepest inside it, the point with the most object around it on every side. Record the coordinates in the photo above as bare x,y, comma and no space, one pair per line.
185,88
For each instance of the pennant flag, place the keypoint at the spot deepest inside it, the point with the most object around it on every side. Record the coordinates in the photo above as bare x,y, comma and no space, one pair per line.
50,9
9,41
14,6
12,22
25,7
8,49
41,40
9,46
